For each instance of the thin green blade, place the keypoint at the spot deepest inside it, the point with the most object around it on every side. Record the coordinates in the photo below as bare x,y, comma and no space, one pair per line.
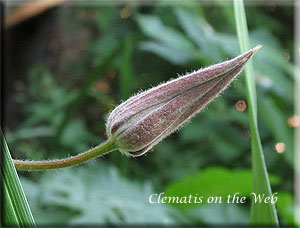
126,79
15,206
261,213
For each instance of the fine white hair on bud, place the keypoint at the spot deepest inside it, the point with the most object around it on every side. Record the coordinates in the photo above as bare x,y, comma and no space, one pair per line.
142,121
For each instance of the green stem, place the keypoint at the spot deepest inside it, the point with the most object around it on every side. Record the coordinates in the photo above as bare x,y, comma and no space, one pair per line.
102,149
260,214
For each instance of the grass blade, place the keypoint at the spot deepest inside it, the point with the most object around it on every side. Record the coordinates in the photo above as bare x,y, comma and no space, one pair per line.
126,77
261,213
16,208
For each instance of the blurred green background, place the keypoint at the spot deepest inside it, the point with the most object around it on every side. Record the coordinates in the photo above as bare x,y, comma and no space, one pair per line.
68,67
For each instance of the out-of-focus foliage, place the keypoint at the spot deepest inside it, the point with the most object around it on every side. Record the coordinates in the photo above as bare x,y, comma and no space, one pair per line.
237,181
77,196
200,37
115,51
220,182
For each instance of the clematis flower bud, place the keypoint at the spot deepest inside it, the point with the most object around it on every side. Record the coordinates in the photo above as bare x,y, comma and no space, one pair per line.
147,118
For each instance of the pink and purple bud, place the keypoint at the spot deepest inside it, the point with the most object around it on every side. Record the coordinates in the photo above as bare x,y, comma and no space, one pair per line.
147,118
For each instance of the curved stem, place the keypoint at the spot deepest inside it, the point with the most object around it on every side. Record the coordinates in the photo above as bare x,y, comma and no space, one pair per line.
102,149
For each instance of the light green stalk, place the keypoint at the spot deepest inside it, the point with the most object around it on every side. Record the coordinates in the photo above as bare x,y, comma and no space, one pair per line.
261,213
102,149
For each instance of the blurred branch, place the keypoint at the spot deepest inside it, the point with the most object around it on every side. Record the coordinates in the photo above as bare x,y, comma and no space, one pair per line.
29,9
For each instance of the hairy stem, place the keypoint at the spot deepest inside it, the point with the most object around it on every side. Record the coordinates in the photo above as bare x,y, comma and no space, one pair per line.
102,149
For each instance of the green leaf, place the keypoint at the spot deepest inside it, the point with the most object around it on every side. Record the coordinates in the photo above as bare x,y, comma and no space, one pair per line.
286,205
214,181
200,32
218,215
93,194
168,43
260,213
153,27
173,55
16,209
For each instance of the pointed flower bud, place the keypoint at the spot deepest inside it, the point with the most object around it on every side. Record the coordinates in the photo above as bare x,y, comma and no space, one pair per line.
147,118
